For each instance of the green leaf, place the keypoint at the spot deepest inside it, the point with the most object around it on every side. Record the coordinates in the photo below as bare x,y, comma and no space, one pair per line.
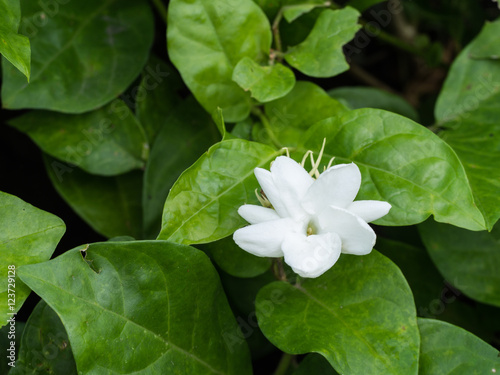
202,205
293,114
292,12
434,297
147,307
321,55
84,54
370,97
44,345
108,141
402,163
485,45
14,47
28,236
265,83
206,39
467,108
235,261
359,315
110,205
157,96
469,260
297,8
183,137
450,350
315,364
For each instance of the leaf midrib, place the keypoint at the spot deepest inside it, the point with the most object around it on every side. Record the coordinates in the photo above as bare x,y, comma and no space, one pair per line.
167,343
216,198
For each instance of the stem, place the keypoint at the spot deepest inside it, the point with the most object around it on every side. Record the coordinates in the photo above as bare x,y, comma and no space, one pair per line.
367,78
276,35
283,365
391,39
279,270
265,122
161,8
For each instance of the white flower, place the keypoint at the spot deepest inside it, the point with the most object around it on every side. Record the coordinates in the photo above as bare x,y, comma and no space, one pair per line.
311,222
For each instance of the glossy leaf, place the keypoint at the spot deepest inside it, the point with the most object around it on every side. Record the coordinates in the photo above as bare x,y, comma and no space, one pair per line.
321,55
434,296
401,163
206,39
293,9
469,260
45,345
486,46
293,114
148,307
106,142
265,83
467,108
110,205
83,54
29,235
13,46
203,204
235,261
157,96
183,137
359,315
450,350
357,97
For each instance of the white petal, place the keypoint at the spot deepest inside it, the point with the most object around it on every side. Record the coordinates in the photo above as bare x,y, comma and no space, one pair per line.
292,182
311,256
337,186
357,236
267,184
369,210
264,239
257,214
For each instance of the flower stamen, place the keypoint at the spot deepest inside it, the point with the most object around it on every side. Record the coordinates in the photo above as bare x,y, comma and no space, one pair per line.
261,196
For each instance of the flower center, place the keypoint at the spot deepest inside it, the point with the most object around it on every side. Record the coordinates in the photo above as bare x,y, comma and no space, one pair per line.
311,229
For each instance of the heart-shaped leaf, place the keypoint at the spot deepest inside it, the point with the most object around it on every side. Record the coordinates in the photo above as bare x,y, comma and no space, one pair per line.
402,163
321,55
148,307
359,315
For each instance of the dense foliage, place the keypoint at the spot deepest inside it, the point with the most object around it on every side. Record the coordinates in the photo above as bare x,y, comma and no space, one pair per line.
151,118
